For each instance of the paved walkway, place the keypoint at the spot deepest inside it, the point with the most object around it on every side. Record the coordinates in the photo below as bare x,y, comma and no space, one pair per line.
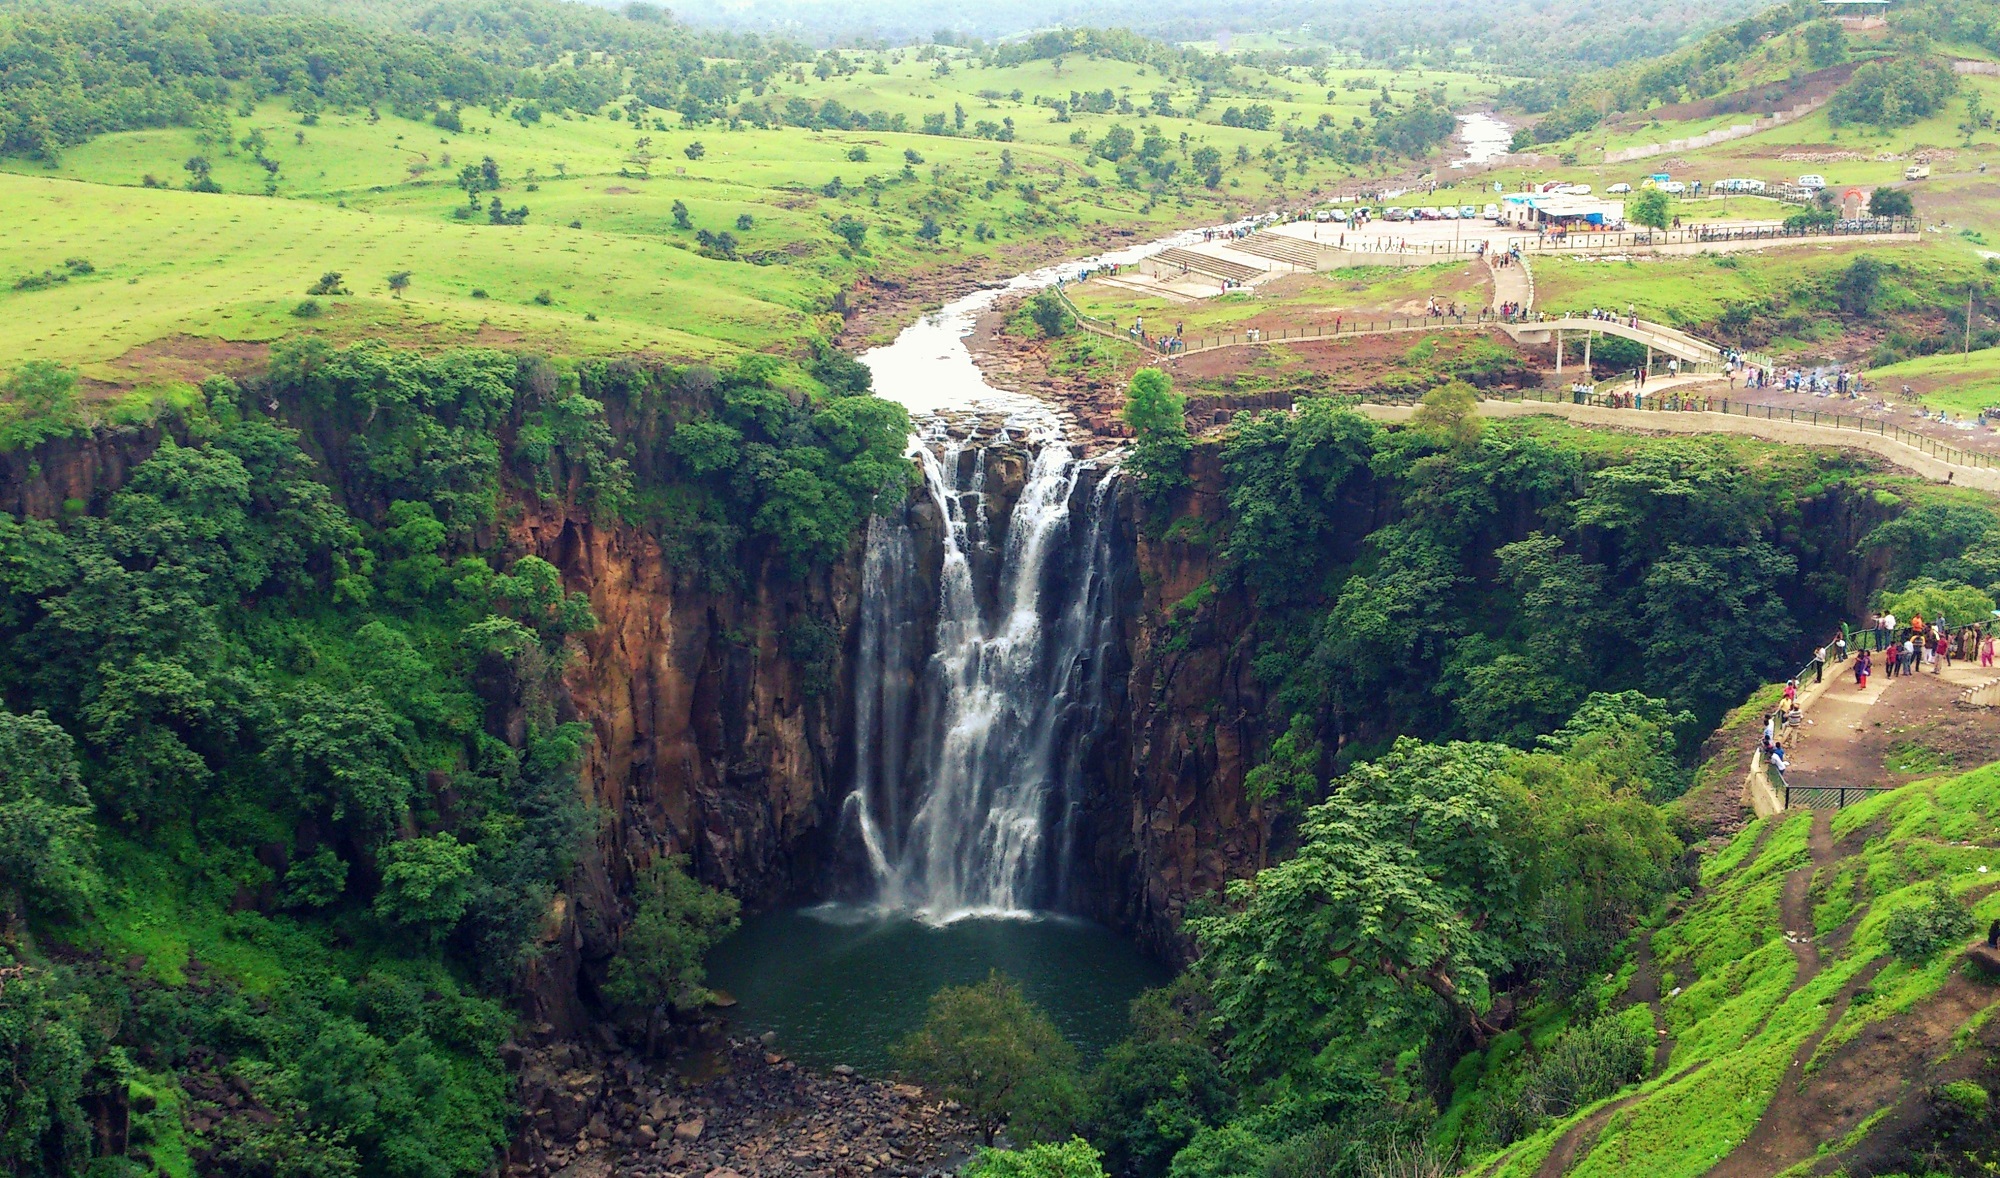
1853,737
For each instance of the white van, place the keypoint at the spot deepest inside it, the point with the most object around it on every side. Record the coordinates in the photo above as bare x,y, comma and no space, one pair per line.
1491,212
1812,182
1671,187
1619,189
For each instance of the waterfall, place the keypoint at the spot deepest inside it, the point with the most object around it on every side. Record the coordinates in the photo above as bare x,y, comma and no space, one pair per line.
972,732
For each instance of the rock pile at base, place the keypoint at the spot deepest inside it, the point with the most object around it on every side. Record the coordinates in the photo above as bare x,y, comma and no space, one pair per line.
748,1113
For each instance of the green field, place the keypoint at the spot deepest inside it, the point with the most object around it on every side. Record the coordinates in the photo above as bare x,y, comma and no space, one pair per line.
600,265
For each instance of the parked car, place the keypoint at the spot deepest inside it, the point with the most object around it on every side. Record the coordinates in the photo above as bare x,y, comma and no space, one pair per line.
1467,213
1491,212
1395,213
1671,187
1619,189
1448,213
1337,215
1812,182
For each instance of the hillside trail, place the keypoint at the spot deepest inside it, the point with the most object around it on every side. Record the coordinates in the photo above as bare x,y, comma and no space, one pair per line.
1851,740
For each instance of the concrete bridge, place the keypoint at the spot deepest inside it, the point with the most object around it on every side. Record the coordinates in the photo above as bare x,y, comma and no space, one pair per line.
1656,336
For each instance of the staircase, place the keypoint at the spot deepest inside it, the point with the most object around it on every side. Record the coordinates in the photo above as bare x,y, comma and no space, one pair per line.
1208,264
1280,247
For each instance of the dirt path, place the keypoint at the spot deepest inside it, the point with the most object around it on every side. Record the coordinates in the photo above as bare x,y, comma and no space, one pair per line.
1795,906
1794,1125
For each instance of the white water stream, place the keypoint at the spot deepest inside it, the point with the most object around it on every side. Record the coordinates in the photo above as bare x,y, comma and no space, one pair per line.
1484,136
978,688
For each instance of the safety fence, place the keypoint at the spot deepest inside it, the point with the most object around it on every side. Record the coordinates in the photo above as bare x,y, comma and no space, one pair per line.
1679,402
1713,235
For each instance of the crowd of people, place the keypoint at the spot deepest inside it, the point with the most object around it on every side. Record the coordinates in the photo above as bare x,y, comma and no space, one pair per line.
1901,648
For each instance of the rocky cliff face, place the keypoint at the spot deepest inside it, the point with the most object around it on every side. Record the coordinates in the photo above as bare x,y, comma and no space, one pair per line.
712,739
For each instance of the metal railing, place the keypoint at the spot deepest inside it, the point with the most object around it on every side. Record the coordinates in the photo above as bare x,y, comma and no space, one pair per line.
1679,402
1826,797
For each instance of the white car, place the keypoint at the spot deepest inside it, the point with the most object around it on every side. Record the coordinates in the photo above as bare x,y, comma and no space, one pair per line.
1619,189
1671,187
1812,182
1448,213
1491,212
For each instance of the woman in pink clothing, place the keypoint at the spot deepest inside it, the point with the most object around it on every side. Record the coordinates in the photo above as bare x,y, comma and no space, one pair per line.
1986,652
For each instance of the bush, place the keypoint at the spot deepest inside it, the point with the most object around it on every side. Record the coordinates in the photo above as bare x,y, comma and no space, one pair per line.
996,1053
1072,1159
1583,1065
1918,930
1049,314
307,309
677,921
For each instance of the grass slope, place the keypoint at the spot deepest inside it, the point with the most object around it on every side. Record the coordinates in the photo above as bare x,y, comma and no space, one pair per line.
1738,1009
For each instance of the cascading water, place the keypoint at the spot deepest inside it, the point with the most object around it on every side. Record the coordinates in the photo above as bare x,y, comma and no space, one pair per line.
970,740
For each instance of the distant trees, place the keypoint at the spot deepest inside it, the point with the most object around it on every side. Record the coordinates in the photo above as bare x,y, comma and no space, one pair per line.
328,284
1894,93
398,283
1891,202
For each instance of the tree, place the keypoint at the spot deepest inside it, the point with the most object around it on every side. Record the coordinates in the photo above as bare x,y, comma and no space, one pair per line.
681,218
1394,912
1157,1089
1650,206
328,284
1953,601
1072,1159
989,1048
694,150
1048,314
659,960
398,283
426,884
1891,202
47,854
1826,43
1157,416
1858,284
1449,413
1117,142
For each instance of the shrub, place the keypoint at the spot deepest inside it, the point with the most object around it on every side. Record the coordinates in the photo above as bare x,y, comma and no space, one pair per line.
1918,930
660,958
1049,314
307,309
1072,1159
544,299
1583,1065
995,1052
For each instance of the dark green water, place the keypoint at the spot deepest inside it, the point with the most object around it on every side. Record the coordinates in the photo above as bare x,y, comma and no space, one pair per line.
840,984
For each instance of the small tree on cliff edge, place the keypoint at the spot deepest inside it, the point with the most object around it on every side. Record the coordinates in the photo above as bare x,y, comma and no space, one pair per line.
659,961
1158,418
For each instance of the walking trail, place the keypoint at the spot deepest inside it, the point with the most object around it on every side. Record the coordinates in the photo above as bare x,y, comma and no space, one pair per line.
1895,732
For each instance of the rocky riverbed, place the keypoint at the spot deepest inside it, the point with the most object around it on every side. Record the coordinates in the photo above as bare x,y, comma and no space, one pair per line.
740,1110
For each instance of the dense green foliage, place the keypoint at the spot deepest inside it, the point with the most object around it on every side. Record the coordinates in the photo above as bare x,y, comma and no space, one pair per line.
280,692
1522,568
1157,417
659,962
1893,93
1071,1159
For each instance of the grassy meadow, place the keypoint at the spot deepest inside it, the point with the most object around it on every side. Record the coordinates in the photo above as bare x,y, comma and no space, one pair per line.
601,264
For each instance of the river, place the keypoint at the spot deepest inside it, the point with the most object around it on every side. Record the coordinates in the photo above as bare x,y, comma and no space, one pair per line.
1485,138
